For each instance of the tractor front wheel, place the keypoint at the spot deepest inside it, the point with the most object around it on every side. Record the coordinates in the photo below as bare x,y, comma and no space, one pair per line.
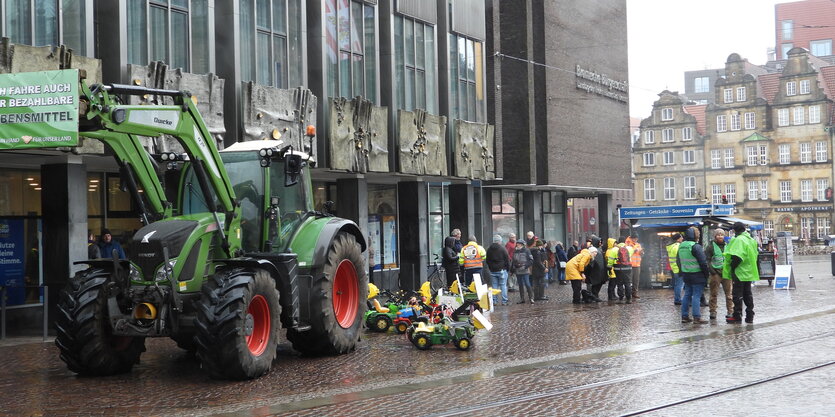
463,343
237,324
402,327
382,324
83,329
337,301
422,341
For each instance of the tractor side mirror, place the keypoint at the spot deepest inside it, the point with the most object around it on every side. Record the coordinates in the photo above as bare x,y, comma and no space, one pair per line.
292,169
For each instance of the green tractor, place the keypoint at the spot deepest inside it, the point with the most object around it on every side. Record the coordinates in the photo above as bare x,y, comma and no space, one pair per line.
231,250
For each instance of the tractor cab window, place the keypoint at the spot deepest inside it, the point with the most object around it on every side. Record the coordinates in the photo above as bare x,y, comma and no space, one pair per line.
294,201
247,178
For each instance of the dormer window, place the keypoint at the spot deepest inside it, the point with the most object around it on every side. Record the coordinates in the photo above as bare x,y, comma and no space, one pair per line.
805,87
791,88
666,114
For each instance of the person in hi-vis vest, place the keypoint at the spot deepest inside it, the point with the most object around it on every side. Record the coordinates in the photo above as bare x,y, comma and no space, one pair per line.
471,258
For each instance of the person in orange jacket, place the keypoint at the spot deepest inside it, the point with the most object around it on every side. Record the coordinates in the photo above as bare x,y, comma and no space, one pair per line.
637,251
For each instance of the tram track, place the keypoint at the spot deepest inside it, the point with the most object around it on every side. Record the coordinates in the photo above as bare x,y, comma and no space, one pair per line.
612,381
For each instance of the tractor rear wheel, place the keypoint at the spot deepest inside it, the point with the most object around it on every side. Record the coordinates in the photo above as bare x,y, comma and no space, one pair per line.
382,323
83,329
337,301
463,343
237,323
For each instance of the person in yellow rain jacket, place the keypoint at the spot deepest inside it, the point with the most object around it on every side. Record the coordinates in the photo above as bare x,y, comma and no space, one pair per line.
471,258
611,257
574,272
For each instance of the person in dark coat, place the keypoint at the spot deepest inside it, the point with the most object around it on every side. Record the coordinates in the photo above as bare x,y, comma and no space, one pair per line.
573,250
562,259
692,265
108,245
597,273
540,263
449,260
498,262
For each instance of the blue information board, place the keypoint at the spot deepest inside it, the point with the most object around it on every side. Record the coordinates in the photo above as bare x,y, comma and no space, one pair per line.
12,258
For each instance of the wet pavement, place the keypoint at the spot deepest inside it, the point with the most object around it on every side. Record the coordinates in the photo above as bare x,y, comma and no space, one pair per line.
551,358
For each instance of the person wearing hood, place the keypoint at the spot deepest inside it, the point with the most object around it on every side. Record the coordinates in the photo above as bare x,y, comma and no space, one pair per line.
575,272
499,263
449,260
741,267
611,257
714,252
562,260
692,266
597,272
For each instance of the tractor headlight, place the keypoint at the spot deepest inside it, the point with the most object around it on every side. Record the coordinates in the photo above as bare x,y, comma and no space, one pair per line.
162,274
134,274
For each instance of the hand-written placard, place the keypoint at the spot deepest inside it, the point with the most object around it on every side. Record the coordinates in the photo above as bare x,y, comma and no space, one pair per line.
39,109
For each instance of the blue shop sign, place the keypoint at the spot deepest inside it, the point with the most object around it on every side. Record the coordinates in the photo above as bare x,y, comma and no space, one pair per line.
695,210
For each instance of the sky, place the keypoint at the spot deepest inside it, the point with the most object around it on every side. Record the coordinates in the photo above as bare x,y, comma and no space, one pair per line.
668,37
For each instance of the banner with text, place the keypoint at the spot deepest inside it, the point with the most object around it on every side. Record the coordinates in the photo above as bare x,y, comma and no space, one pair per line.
39,109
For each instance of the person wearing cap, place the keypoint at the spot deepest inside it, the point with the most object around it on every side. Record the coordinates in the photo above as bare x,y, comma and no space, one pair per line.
108,245
672,254
540,264
471,258
498,262
522,261
741,267
575,272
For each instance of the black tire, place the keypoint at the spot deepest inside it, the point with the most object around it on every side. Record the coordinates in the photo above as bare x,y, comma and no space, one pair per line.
401,327
186,342
235,306
422,341
83,329
463,343
382,323
326,335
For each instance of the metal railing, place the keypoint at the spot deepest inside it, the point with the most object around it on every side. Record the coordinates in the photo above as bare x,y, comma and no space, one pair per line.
3,295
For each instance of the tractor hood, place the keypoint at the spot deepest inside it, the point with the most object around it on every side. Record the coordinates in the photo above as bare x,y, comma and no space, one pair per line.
149,240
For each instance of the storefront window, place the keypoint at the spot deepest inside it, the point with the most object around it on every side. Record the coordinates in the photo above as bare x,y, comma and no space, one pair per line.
506,212
553,215
382,226
438,219
20,193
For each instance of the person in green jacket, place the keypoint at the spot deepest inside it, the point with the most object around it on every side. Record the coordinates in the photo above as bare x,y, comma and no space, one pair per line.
741,267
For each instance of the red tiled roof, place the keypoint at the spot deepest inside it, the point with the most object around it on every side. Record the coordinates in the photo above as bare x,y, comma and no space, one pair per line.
698,111
768,85
826,78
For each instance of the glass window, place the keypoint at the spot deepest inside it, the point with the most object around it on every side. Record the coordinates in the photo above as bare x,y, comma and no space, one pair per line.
814,114
740,94
649,159
716,193
689,188
667,114
730,193
805,190
805,87
701,85
785,191
382,226
266,28
798,115
729,95
763,155
735,121
721,123
791,88
689,156
667,135
753,190
783,117
821,48
669,158
353,24
649,189
506,212
787,27
415,60
785,48
822,226
764,190
823,184
752,155
785,153
686,133
715,158
768,227
750,120
438,218
159,31
805,152
469,102
669,188
649,136
821,152
729,157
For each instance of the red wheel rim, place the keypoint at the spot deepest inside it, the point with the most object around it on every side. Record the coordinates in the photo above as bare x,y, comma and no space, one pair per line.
258,340
345,294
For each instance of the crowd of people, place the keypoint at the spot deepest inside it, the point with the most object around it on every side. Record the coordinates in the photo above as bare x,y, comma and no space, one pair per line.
531,264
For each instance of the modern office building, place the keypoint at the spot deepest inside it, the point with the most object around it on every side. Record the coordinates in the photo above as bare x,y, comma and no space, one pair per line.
804,24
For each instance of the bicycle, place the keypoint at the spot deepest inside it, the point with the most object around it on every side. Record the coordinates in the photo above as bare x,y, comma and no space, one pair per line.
436,278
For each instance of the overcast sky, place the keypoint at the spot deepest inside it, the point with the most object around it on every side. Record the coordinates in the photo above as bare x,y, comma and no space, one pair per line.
668,37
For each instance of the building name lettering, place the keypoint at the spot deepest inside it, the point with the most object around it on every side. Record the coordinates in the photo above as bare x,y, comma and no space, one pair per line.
802,209
601,84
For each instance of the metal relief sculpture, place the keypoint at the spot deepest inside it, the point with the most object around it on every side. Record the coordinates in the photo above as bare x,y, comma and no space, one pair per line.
474,150
422,144
358,138
275,113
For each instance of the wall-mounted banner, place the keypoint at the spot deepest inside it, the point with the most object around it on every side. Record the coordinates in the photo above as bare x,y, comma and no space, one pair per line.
695,210
39,109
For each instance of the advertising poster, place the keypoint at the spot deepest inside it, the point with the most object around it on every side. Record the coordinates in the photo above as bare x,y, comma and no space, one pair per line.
374,242
12,255
39,109
389,242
